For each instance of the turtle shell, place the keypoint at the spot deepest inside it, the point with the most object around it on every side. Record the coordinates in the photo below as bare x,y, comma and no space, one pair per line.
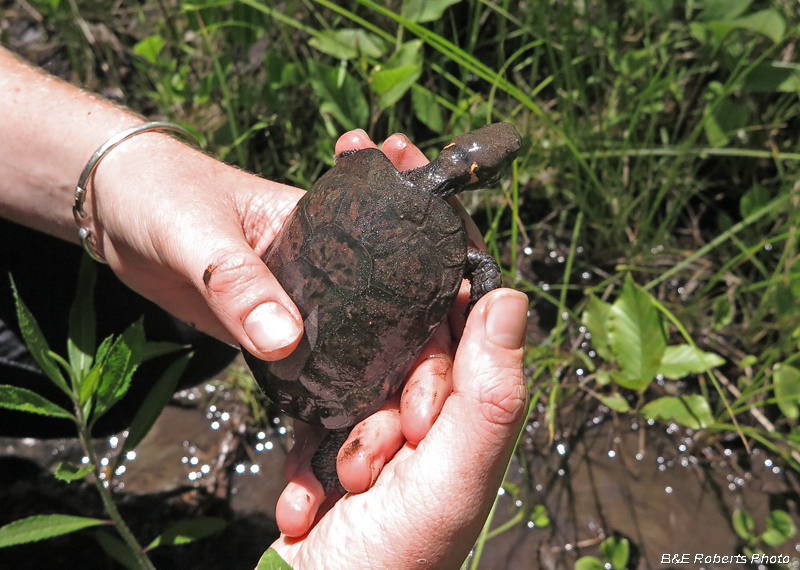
374,263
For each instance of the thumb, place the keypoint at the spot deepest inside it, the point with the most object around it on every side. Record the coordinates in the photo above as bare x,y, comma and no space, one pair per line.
249,301
489,390
481,419
465,454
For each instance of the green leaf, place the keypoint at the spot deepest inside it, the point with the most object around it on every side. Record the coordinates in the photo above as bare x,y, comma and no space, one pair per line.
68,472
636,336
785,302
40,527
616,402
189,531
661,8
683,359
727,118
117,549
768,22
348,43
780,528
589,563
748,360
690,411
88,386
155,349
744,525
773,77
426,10
754,200
149,48
595,319
539,516
24,400
427,110
90,382
725,9
271,560
616,550
341,99
36,343
157,399
786,384
723,313
392,84
409,53
81,342
119,363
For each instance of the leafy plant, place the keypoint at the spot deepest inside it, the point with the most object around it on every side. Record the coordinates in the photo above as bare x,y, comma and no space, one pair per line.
629,335
780,529
95,378
615,552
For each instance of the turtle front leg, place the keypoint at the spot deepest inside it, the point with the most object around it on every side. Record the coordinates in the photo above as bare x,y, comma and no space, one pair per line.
483,273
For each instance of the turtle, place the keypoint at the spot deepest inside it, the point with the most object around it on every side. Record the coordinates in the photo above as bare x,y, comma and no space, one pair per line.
374,258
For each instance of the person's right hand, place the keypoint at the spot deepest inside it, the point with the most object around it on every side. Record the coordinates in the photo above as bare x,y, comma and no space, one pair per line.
429,503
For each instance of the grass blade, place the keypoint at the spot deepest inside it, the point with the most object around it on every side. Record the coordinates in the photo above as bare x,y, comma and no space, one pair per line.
155,402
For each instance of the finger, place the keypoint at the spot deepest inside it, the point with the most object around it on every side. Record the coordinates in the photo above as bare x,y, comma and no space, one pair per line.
403,153
482,417
489,390
247,299
465,455
369,446
427,387
354,140
298,504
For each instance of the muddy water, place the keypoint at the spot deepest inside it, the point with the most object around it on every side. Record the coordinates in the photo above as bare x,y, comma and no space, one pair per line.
657,486
649,483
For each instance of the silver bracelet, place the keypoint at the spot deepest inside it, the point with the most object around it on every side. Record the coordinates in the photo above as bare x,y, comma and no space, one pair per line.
84,233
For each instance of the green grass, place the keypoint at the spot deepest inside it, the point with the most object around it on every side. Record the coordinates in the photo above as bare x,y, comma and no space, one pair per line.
660,141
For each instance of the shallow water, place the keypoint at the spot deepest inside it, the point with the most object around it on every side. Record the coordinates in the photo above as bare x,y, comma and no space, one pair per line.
656,485
648,483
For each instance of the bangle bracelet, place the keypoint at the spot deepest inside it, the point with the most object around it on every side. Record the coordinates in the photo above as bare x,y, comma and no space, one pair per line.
84,233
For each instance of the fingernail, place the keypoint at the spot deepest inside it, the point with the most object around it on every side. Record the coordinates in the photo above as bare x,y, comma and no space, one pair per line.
506,320
271,327
402,140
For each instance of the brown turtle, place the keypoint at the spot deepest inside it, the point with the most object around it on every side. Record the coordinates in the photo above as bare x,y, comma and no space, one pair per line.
374,258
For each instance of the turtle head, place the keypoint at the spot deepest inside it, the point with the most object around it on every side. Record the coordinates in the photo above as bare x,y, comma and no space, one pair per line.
489,152
473,160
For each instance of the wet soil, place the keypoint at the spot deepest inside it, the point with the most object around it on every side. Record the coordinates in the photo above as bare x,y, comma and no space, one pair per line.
659,486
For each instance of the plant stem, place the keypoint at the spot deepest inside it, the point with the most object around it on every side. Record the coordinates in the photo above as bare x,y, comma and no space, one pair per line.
108,501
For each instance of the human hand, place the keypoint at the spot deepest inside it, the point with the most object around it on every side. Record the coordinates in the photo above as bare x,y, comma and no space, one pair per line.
187,231
375,440
431,499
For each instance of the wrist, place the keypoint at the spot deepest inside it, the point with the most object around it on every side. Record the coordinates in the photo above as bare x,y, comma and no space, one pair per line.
85,232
